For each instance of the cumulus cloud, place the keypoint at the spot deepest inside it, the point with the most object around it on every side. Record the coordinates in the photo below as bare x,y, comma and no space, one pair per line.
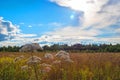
19,40
11,34
7,30
98,17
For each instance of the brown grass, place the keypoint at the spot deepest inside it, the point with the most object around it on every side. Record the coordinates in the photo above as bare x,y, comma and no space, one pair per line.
86,66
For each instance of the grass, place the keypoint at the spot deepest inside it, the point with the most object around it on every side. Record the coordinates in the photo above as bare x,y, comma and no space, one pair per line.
86,66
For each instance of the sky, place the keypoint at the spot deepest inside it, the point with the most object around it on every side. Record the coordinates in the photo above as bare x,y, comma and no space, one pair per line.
59,21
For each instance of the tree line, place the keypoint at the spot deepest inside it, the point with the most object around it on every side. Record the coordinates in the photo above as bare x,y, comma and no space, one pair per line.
72,48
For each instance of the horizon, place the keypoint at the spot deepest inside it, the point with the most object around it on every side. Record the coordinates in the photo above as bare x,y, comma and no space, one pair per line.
49,22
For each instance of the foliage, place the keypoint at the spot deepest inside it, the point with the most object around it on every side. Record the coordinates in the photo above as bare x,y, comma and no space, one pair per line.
9,49
84,48
72,48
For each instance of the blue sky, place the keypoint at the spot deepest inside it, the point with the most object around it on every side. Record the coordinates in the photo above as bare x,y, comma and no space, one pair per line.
67,21
34,13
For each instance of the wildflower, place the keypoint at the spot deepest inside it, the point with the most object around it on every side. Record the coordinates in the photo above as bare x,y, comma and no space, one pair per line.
46,69
18,58
56,62
62,55
33,59
45,65
49,56
69,60
24,67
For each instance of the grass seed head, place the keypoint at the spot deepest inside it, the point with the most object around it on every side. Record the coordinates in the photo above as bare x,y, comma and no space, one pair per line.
18,58
49,56
33,60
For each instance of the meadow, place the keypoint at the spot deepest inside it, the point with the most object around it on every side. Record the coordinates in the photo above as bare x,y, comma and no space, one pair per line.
85,66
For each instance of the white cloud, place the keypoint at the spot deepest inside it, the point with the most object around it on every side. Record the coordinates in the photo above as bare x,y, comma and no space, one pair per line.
27,35
75,31
98,16
10,34
1,18
7,30
82,5
113,40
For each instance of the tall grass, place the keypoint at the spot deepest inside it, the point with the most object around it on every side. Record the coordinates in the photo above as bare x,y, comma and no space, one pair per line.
86,66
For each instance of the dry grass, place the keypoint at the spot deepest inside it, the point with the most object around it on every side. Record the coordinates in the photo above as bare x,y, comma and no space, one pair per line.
86,66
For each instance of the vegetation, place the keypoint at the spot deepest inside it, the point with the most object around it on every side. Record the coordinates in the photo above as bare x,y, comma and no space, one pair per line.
86,66
9,49
84,48
97,64
72,48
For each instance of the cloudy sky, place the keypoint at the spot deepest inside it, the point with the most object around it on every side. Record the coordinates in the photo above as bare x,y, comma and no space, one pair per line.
59,21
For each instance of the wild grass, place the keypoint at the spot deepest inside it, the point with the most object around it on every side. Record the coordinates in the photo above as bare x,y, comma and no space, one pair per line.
86,66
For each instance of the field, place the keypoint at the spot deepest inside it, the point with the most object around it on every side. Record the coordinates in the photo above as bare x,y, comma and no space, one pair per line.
85,66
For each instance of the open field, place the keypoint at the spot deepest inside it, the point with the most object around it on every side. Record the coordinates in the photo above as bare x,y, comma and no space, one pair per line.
85,66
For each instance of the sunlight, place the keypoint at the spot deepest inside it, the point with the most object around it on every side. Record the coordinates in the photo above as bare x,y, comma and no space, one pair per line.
72,16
